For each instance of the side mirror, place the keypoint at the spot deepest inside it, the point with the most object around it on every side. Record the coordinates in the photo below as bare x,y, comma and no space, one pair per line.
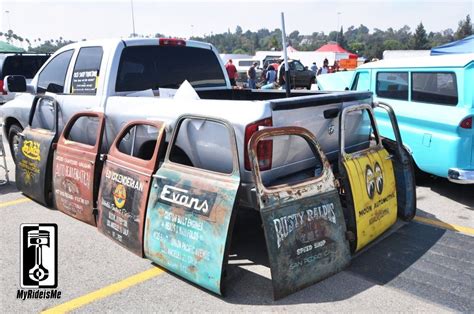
15,83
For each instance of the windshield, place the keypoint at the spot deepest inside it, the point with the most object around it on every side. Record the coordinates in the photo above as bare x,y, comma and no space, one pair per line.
152,67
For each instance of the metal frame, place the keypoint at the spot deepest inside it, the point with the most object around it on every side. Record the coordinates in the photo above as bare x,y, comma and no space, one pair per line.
3,156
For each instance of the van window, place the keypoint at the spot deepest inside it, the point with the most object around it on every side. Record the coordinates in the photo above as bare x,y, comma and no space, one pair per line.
86,71
21,65
393,85
361,82
52,78
434,87
152,67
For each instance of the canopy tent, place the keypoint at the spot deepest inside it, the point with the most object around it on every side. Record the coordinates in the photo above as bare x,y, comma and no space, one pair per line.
465,45
334,47
6,47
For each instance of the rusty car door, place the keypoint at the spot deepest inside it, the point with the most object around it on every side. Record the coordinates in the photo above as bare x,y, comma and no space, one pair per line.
303,222
368,180
404,170
35,151
125,183
76,166
191,210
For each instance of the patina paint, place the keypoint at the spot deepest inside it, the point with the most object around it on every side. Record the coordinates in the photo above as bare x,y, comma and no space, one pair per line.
190,213
124,191
304,225
34,157
75,175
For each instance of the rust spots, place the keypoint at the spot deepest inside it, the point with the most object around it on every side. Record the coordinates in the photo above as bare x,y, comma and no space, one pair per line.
192,269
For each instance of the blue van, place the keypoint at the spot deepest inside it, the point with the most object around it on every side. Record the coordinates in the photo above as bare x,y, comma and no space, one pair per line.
433,98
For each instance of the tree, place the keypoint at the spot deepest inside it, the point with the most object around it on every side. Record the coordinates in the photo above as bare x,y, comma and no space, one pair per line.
420,39
464,28
340,39
238,30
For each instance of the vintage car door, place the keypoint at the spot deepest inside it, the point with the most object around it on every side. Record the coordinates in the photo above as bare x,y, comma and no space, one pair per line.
191,208
304,225
404,170
368,180
35,153
76,166
126,181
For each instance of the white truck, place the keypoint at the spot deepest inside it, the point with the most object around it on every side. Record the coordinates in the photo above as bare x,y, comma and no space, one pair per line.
111,75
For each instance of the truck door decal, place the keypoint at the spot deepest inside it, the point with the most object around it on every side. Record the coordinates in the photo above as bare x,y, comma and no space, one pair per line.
369,184
34,156
191,211
303,222
125,183
76,167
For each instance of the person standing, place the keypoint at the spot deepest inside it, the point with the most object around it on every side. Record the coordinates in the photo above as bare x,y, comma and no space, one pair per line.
231,72
314,68
252,76
271,75
325,68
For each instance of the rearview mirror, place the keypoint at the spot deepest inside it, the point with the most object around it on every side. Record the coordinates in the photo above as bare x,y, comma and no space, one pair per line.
15,83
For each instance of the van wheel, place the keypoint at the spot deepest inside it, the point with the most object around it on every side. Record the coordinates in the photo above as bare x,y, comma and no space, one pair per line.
14,139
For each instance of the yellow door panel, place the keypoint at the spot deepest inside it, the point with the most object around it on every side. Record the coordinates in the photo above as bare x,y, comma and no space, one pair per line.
372,181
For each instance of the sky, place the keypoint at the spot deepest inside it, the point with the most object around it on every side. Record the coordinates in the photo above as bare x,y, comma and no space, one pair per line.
87,19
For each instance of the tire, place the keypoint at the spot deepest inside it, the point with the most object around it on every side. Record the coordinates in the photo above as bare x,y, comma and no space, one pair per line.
311,82
13,139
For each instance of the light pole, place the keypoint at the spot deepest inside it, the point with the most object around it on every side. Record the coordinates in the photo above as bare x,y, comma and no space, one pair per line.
7,13
133,19
337,29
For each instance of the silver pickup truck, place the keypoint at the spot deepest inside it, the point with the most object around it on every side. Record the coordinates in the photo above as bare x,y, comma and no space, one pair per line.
127,79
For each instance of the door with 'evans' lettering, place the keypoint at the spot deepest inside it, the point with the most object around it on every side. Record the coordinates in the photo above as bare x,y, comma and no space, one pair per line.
191,207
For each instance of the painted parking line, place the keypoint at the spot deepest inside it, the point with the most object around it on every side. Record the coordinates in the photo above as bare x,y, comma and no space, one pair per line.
105,292
14,202
444,225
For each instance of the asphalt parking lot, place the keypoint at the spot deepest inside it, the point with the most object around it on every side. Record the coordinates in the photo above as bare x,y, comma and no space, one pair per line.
426,265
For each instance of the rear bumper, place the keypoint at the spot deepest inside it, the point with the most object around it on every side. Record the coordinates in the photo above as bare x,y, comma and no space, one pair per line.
461,176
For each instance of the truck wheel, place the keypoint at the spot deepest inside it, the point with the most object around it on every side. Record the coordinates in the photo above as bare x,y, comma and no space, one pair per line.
311,82
14,139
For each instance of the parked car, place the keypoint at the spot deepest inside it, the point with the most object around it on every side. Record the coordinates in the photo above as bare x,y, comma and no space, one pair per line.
300,75
25,64
433,99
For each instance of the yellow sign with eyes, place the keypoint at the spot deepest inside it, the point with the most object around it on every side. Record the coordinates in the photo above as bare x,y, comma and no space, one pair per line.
372,180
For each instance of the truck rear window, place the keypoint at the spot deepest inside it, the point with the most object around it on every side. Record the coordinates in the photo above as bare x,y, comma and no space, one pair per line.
22,65
152,67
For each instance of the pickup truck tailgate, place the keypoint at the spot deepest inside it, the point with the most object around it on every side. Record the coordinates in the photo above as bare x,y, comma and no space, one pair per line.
320,115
